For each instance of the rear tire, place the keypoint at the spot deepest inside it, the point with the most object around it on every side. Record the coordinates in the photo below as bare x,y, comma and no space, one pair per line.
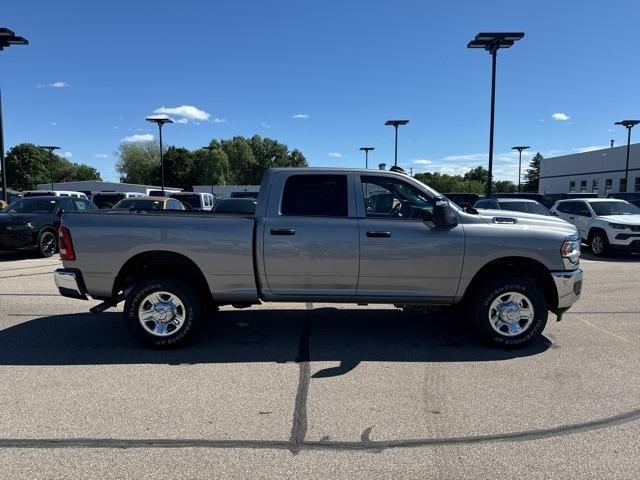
47,243
510,311
162,312
599,243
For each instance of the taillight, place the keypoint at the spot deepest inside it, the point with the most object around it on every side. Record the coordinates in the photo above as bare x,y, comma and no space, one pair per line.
65,244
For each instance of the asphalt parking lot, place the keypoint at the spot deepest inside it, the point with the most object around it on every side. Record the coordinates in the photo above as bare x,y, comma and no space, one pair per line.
317,391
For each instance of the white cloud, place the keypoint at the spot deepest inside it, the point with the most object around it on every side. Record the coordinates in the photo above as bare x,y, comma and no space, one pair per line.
610,130
449,170
182,120
264,125
144,137
471,157
302,116
59,85
590,149
67,154
188,112
562,117
334,154
219,120
53,124
101,155
422,161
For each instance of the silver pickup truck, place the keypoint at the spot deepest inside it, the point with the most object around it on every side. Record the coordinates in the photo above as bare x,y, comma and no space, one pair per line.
325,235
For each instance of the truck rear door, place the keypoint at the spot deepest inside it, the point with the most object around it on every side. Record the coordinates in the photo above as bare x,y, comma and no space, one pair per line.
311,235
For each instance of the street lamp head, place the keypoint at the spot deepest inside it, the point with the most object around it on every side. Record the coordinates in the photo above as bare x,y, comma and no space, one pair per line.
159,120
494,40
520,148
366,149
628,123
51,148
8,38
395,123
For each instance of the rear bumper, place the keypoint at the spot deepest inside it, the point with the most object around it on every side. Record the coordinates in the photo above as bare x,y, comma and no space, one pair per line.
70,283
568,287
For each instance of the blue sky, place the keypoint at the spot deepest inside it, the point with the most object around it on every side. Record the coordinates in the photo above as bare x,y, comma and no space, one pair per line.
322,77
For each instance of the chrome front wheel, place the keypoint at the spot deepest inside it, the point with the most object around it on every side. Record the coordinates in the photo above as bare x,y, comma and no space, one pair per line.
511,314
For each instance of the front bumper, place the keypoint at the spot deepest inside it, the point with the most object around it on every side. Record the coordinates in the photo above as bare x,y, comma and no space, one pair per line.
568,286
70,283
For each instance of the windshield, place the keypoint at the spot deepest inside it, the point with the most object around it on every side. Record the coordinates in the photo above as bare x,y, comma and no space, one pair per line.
133,203
193,200
40,206
614,208
526,207
236,205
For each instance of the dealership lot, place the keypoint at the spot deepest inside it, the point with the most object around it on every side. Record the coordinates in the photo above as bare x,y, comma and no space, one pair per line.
314,390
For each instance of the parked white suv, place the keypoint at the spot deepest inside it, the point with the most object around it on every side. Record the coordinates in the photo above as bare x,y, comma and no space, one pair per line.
606,224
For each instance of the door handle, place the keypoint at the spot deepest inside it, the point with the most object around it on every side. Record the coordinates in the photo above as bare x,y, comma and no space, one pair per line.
283,231
376,234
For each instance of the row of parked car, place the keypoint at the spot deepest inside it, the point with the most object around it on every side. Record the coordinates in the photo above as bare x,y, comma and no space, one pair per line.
31,222
607,224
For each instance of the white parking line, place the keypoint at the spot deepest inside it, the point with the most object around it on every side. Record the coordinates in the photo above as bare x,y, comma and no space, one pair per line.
605,331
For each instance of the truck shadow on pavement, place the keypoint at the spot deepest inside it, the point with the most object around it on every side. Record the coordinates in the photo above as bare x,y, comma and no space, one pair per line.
348,336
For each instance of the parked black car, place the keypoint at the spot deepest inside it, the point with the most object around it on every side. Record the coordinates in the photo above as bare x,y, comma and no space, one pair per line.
631,197
235,205
462,198
551,198
32,223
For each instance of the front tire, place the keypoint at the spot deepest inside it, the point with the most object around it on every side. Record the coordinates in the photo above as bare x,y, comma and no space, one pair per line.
599,244
162,312
511,311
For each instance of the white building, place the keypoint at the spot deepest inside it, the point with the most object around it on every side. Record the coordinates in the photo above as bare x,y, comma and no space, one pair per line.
225,191
90,187
599,171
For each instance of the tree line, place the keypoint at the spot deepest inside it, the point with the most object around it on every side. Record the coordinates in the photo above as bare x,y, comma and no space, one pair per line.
237,161
475,181
27,166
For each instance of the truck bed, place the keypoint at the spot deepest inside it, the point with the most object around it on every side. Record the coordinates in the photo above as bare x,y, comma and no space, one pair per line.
220,243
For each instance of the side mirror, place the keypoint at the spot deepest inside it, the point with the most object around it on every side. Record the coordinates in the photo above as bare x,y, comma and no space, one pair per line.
443,214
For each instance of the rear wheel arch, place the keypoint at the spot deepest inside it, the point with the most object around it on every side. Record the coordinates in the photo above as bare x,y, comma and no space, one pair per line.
160,263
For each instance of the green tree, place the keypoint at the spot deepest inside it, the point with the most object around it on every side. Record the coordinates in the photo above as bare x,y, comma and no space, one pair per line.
532,177
28,166
139,163
210,166
178,167
504,186
478,174
243,166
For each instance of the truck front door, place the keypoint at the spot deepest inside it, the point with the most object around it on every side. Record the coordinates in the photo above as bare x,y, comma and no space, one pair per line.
403,255
311,236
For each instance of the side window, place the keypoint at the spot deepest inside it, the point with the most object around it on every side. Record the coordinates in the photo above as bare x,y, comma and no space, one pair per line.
572,186
608,183
583,185
566,207
387,197
581,210
315,195
80,205
67,205
594,186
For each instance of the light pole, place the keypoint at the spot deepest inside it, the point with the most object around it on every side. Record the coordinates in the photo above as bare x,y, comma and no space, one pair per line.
492,42
520,149
7,38
628,124
51,148
211,149
395,124
160,121
366,155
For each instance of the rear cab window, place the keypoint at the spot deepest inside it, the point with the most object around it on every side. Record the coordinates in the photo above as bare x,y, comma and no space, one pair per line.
315,195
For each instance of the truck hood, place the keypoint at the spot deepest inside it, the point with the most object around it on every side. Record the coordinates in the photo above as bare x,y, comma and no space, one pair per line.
624,219
528,219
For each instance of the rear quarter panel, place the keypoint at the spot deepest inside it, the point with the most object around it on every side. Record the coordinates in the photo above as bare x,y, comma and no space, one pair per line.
220,246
